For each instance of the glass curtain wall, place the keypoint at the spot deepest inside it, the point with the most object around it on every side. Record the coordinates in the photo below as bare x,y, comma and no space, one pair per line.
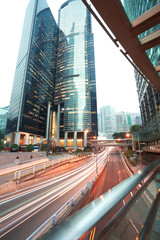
75,83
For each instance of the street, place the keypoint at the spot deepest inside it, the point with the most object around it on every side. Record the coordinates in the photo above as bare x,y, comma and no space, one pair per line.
21,214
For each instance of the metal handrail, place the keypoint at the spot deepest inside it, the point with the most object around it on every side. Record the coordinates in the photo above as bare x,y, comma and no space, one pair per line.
150,219
86,218
20,171
115,221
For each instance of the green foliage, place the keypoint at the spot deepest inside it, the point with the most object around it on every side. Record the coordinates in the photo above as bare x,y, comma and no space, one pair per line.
135,128
1,146
119,135
1,134
44,147
128,153
79,150
87,149
14,148
30,148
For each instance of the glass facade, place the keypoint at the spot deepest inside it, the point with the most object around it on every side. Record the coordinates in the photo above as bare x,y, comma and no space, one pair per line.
149,100
35,73
54,88
3,117
136,8
75,90
108,121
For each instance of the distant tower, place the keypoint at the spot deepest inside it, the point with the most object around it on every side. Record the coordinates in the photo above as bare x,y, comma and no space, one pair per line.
33,86
75,92
108,121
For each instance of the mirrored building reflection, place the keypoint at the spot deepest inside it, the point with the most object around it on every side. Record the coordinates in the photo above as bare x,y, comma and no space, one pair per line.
33,85
75,91
149,99
54,88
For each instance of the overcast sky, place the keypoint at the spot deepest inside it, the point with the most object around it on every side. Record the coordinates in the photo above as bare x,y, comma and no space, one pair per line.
114,75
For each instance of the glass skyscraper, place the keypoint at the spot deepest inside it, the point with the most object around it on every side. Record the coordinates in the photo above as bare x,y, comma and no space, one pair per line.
108,121
33,85
149,99
54,89
75,91
3,117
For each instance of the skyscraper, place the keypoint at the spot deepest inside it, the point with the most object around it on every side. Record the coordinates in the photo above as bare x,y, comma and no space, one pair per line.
108,121
75,92
54,89
33,85
149,100
3,117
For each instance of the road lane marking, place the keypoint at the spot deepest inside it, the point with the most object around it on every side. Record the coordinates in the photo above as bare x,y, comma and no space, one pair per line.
44,196
134,226
58,178
91,169
49,200
92,234
79,178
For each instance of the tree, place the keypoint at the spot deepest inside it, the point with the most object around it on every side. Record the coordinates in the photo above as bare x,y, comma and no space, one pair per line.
135,128
1,134
30,147
14,148
119,135
1,146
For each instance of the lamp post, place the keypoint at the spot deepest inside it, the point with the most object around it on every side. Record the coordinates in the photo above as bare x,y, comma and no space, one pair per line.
85,137
96,154
140,158
133,148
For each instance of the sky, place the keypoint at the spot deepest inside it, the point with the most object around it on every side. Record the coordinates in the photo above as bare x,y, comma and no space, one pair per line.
115,80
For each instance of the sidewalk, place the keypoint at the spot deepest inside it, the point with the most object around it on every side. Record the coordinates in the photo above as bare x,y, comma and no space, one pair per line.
133,169
9,170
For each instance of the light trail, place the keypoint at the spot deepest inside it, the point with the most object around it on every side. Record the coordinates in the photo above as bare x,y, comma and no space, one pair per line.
72,183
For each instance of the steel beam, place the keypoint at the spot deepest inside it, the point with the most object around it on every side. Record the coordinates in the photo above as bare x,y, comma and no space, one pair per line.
114,15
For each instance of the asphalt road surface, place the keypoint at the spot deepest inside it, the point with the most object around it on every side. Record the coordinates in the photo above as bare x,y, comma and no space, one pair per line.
22,213
113,174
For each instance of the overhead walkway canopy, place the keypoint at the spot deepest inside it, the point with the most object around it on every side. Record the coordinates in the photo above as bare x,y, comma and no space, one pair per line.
125,35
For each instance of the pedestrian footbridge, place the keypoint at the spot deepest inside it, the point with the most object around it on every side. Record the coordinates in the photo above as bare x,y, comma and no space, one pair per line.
138,218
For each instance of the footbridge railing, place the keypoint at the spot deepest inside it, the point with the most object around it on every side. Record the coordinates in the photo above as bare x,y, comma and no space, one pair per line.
132,220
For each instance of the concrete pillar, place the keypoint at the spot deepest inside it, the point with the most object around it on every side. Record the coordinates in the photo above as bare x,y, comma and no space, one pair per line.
48,120
75,141
17,137
58,124
65,138
35,140
85,139
26,139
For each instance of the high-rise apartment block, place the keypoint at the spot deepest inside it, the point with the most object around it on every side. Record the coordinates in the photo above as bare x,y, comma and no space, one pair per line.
54,88
111,122
149,99
108,121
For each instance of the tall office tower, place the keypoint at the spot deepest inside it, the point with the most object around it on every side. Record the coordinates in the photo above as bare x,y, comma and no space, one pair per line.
33,86
123,122
75,92
108,121
149,100
3,117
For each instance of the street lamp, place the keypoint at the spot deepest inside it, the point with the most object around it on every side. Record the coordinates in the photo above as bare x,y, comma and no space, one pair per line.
133,147
85,137
96,154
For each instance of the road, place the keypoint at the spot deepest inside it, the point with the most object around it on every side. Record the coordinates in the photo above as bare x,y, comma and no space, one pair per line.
22,213
113,174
